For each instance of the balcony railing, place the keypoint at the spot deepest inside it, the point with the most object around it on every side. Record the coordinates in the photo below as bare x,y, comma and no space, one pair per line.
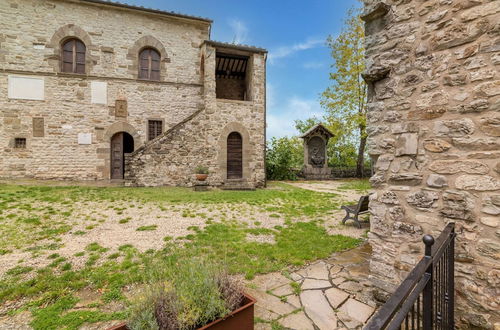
425,299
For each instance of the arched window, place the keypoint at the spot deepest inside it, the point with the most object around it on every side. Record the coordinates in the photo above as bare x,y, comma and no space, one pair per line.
73,56
149,64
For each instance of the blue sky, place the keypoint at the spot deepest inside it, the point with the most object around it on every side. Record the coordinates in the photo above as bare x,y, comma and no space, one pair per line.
294,33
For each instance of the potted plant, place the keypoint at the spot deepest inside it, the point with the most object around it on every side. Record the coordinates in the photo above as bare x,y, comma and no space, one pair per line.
193,294
201,173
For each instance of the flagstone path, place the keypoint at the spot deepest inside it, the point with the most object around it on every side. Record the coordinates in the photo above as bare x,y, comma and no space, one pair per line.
329,294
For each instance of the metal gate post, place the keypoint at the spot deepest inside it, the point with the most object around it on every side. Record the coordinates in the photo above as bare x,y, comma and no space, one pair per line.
428,290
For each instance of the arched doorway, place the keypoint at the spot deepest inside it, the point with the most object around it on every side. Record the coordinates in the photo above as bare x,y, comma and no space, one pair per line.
234,156
121,143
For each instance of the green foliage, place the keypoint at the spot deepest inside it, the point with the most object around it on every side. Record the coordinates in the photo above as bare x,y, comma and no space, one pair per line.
304,125
201,170
284,157
147,228
56,316
187,287
345,100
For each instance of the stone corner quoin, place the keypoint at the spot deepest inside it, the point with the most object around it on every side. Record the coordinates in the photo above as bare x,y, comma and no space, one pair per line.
433,70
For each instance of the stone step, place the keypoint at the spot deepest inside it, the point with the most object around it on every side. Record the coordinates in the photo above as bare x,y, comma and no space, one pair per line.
237,185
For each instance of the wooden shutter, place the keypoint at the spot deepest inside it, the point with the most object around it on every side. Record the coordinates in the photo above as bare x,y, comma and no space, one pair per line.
155,128
144,64
73,56
234,156
79,57
155,65
67,57
149,64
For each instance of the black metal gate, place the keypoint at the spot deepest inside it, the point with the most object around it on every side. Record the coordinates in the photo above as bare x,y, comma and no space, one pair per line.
425,299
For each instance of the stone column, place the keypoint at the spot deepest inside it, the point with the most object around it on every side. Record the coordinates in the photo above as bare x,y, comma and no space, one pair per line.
434,131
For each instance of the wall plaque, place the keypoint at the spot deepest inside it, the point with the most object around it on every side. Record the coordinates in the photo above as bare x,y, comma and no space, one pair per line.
121,108
26,88
38,127
99,92
84,138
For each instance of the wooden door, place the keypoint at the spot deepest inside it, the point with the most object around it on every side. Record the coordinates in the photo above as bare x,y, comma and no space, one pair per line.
117,156
234,156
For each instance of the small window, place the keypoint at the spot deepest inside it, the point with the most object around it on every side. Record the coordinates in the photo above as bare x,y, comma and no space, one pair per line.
73,56
20,143
149,64
155,128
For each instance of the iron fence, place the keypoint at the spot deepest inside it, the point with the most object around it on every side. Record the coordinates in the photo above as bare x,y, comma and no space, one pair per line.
425,299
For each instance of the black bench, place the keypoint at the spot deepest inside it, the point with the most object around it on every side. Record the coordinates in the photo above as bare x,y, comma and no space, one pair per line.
356,209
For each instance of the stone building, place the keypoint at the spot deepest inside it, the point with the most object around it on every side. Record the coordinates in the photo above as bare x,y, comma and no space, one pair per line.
99,90
434,131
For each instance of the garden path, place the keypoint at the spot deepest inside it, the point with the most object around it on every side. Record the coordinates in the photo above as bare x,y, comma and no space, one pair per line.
328,294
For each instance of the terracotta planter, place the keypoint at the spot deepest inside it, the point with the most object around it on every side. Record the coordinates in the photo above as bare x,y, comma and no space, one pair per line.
201,177
241,319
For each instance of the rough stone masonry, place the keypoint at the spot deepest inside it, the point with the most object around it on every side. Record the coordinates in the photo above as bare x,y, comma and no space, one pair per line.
106,120
434,131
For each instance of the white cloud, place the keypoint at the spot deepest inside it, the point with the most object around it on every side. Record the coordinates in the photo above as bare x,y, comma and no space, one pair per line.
240,31
285,51
281,117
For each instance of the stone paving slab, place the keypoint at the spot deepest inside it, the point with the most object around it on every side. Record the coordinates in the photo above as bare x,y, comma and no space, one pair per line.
332,296
336,297
283,290
297,321
318,309
317,271
357,310
309,284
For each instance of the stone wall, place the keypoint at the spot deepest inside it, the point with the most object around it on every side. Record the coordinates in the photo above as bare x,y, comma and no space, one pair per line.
434,131
232,89
201,140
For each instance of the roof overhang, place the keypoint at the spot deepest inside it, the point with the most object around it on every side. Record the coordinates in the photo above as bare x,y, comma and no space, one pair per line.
146,10
319,128
243,48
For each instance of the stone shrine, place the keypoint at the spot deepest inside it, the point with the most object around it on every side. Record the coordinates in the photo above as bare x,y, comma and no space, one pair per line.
315,155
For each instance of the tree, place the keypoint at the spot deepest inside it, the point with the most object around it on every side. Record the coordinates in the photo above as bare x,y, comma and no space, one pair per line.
345,99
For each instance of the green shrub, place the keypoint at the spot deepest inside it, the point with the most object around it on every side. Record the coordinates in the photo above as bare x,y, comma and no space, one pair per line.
186,293
201,170
284,156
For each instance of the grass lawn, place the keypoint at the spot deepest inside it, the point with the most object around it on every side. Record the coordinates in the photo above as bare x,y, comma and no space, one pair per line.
57,242
359,185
